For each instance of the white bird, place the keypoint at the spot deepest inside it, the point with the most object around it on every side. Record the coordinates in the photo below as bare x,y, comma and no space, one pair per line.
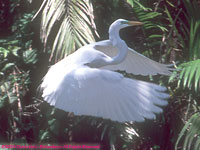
84,84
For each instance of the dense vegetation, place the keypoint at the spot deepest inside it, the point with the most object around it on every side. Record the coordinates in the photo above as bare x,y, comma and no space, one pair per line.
170,35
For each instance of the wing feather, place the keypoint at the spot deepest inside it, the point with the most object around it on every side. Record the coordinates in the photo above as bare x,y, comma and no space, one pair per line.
103,93
134,63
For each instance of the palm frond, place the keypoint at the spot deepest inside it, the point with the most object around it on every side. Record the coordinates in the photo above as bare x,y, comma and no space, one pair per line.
190,41
189,75
189,135
154,31
147,15
76,26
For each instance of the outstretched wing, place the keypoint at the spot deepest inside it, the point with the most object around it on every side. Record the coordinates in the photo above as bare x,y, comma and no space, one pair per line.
134,62
103,93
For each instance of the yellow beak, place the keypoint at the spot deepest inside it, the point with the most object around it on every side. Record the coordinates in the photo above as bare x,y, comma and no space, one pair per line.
135,23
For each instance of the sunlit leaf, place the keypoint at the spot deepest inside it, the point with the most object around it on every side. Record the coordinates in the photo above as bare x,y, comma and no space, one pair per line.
15,50
130,2
45,136
30,56
7,66
13,99
76,29
155,36
4,52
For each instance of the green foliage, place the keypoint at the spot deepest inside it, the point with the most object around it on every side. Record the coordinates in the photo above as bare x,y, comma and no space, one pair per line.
189,75
190,27
190,134
151,17
76,27
16,53
190,41
186,25
193,19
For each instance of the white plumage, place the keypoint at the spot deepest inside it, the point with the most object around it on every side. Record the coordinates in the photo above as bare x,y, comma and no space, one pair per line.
134,62
85,84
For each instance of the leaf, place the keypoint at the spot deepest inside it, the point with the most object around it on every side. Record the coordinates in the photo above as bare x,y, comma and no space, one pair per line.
130,2
13,99
45,136
155,36
197,78
188,32
4,51
190,134
54,126
30,56
76,28
175,29
141,6
3,101
152,30
7,66
189,75
149,15
15,50
13,42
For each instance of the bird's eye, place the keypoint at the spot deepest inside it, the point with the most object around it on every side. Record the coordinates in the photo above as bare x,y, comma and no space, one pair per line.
124,22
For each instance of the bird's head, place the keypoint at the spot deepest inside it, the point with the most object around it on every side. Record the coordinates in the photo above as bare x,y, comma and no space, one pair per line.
122,23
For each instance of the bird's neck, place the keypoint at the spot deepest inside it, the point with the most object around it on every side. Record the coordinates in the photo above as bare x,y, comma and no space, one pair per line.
114,36
120,45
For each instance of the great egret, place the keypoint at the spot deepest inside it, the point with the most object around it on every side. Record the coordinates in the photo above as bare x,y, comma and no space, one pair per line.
84,84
